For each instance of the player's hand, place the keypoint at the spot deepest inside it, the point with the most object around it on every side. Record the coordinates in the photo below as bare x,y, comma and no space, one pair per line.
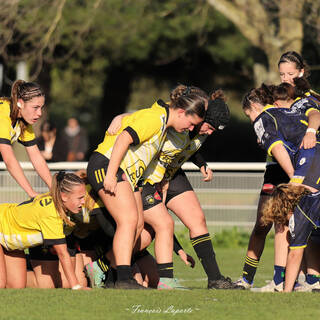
85,288
164,185
110,184
308,141
115,125
188,260
206,173
33,194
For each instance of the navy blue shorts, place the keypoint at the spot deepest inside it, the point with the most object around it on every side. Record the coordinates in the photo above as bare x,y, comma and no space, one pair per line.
273,176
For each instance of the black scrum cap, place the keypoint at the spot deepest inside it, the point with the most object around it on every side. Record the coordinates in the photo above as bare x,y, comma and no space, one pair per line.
218,114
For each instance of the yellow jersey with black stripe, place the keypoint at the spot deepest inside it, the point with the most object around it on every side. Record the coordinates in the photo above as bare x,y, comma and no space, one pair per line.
176,150
31,223
9,132
147,128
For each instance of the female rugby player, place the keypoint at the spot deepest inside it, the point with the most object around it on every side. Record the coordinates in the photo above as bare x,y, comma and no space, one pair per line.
291,66
120,160
36,221
17,115
297,207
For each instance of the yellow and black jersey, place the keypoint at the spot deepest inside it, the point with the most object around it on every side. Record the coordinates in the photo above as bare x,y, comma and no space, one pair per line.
30,223
147,128
9,132
176,150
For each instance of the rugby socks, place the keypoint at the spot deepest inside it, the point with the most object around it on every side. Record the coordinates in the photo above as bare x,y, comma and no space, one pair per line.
249,269
103,263
165,270
312,278
111,276
124,273
278,275
202,245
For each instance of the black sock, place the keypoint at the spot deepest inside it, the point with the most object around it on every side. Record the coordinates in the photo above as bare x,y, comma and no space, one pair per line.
165,270
203,247
103,263
249,269
112,275
124,273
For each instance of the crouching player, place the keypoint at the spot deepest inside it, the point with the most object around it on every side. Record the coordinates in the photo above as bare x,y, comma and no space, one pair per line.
36,221
297,207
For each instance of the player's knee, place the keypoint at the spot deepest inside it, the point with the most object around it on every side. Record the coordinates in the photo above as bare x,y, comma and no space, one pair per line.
166,224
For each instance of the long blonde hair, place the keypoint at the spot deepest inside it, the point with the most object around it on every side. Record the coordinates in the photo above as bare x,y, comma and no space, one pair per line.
63,182
91,197
283,201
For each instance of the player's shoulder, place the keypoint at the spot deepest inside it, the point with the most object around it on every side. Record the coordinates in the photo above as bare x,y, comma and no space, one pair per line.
44,203
4,108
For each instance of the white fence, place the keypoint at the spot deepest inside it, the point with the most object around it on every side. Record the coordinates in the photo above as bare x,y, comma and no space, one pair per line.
230,199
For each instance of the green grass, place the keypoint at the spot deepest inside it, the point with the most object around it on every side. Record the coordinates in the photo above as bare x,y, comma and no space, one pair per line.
198,303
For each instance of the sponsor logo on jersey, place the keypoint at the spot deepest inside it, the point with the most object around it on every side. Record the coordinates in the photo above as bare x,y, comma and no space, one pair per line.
45,202
302,161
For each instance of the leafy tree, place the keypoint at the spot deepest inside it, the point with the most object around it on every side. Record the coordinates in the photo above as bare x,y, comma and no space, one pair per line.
272,26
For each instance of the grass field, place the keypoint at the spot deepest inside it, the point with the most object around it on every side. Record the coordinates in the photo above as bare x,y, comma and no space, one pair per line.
197,303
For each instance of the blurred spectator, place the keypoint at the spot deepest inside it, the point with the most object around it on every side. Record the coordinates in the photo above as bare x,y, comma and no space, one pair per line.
52,145
77,140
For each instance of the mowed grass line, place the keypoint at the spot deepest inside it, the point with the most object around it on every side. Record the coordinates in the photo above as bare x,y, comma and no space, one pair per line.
198,303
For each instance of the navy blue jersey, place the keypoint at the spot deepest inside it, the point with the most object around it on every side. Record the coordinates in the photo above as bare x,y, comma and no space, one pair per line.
305,104
305,218
312,99
281,125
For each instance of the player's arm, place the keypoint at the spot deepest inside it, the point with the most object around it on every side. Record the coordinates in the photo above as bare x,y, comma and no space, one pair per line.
65,260
309,140
199,161
119,150
39,164
15,169
281,155
292,269
267,133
